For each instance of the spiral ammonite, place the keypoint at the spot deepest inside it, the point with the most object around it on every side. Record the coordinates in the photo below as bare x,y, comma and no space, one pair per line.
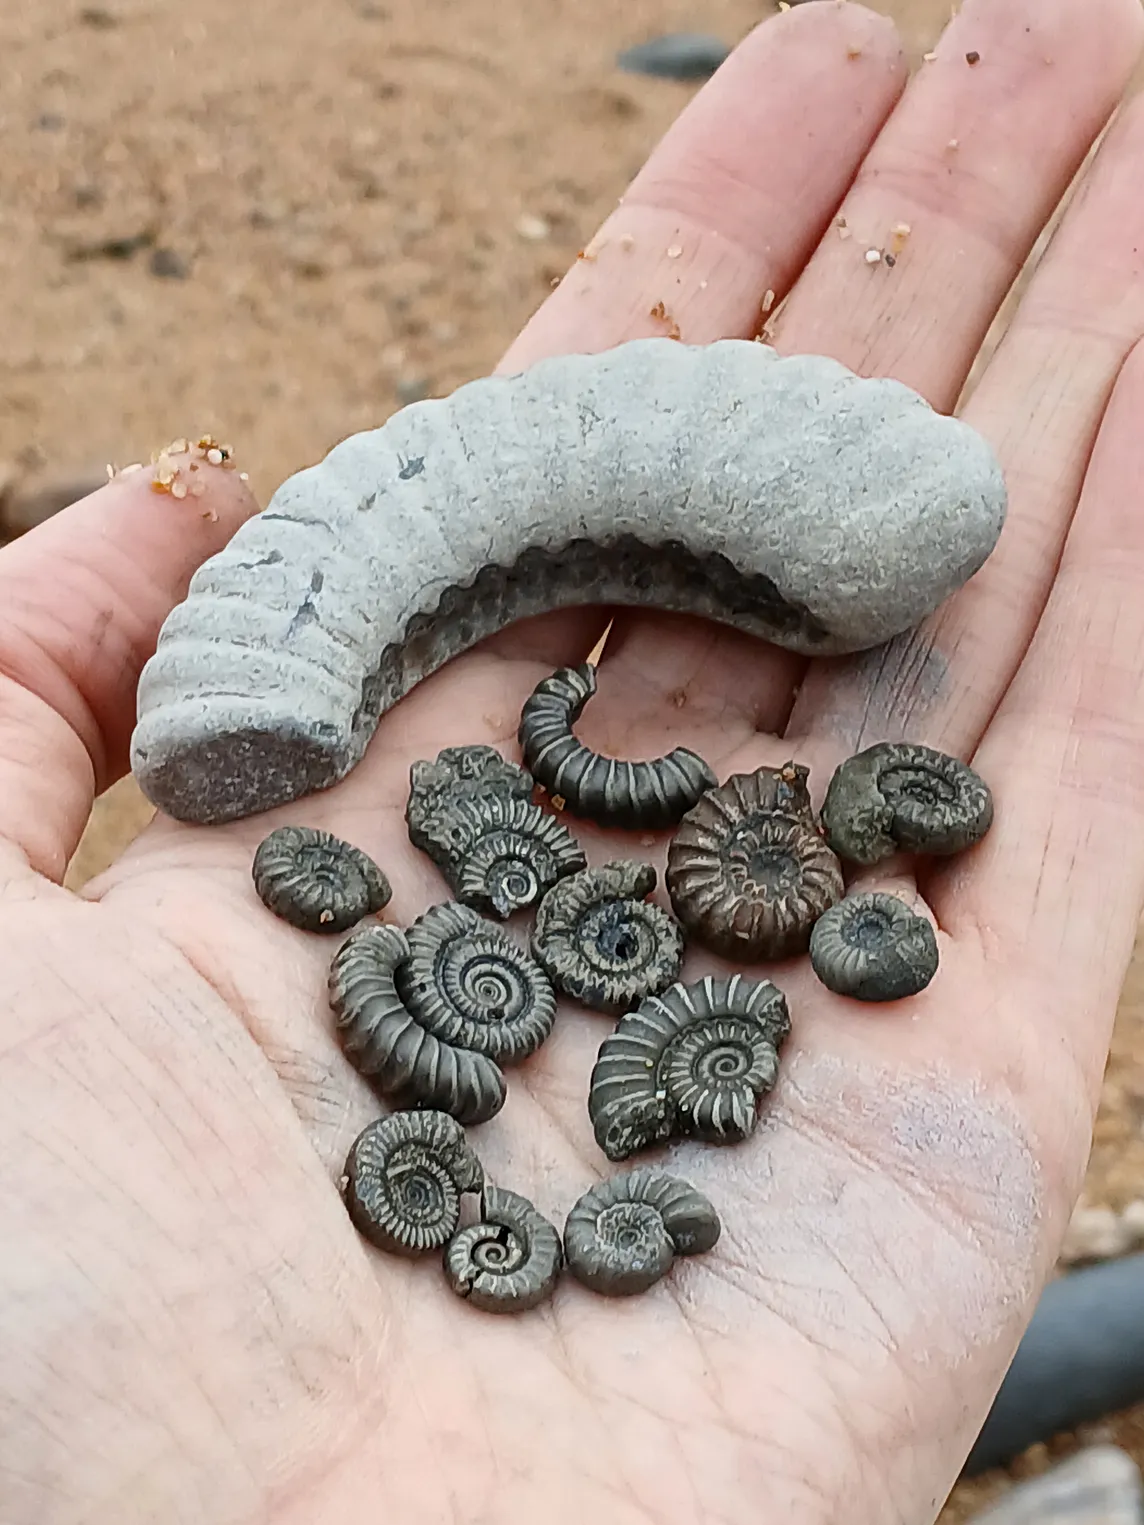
317,882
510,1261
694,1062
468,983
636,795
602,941
404,1180
748,872
872,947
902,797
384,1041
622,1236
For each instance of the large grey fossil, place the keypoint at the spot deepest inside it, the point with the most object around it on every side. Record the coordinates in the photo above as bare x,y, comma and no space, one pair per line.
785,496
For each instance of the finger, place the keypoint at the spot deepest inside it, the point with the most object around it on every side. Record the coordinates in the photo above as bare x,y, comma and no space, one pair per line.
1039,402
1057,886
83,597
958,186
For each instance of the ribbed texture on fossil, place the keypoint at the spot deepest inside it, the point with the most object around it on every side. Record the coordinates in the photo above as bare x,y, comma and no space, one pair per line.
510,1261
622,1236
405,1177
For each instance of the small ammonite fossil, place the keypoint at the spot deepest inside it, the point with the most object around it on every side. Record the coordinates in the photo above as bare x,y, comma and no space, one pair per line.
622,1236
508,1262
748,871
903,797
636,795
404,1180
603,942
694,1062
472,813
317,882
383,1040
874,948
471,985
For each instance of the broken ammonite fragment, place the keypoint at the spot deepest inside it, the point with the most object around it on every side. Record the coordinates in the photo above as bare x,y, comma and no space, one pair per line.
639,796
317,882
872,947
404,1180
472,813
903,797
603,942
623,1235
694,1062
748,871
508,1262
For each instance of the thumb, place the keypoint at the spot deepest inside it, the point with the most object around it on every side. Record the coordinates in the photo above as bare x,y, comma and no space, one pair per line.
82,598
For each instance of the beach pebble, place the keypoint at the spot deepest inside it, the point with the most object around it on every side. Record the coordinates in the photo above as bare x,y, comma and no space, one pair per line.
676,55
1099,1486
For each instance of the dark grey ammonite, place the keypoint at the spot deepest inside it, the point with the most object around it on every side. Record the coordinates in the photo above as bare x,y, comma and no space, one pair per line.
472,813
748,871
635,795
874,948
510,1261
622,1236
383,1040
317,882
603,942
903,797
694,1062
468,983
404,1180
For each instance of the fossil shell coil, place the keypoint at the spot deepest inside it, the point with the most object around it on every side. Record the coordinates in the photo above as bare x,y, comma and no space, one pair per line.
693,1062
383,1040
510,1261
405,1177
635,795
317,882
622,1236
602,942
467,983
904,797
636,477
872,947
748,872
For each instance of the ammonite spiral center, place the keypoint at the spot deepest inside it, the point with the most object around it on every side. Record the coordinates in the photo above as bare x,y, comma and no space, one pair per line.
869,931
498,1256
609,936
489,989
920,784
628,1226
514,883
725,1061
423,1193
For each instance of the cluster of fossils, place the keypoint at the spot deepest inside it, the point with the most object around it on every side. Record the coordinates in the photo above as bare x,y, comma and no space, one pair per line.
434,1013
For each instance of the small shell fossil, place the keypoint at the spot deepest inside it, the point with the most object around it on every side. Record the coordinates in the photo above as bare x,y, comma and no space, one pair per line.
472,814
382,1039
601,940
621,1237
748,872
903,797
510,1261
405,1177
693,1062
873,948
468,983
317,882
635,795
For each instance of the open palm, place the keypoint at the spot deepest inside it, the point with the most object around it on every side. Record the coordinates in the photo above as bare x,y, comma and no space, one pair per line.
190,1329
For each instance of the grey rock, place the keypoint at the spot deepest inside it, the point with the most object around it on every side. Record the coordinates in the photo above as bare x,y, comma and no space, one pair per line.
786,497
684,56
1099,1486
169,265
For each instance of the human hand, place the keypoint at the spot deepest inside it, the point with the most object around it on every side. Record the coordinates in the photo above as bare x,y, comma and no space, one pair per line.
192,1331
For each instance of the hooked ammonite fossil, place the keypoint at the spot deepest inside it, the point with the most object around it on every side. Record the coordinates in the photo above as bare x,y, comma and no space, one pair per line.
317,882
621,1237
872,947
472,813
404,1180
694,1062
748,871
468,983
383,1040
508,1262
636,795
900,796
603,942
785,496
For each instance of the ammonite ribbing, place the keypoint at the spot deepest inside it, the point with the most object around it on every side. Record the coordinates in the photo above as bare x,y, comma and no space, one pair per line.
872,947
510,1261
405,1177
317,882
622,1236
903,797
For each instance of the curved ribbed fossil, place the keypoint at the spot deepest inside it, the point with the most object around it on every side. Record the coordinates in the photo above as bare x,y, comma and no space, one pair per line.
317,882
622,1236
383,1040
785,496
900,796
872,947
404,1180
508,1262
